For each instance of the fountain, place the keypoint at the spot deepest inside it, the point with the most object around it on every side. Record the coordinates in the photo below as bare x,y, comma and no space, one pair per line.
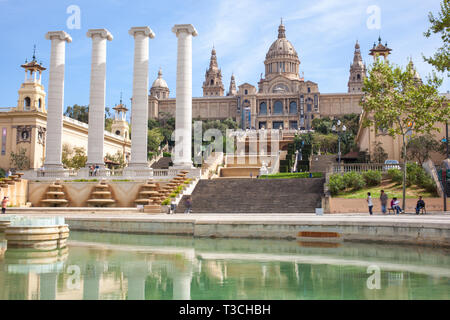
55,196
101,196
4,223
147,193
49,233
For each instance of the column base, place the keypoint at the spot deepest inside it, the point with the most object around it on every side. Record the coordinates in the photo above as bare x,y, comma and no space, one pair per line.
54,171
183,165
138,170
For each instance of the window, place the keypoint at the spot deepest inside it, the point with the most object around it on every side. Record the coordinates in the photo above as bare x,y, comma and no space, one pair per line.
308,107
40,104
293,107
212,81
277,124
263,108
302,104
27,103
358,76
118,132
278,107
309,90
246,91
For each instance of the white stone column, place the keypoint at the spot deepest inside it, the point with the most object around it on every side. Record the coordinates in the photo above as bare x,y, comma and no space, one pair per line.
183,118
55,104
139,108
97,97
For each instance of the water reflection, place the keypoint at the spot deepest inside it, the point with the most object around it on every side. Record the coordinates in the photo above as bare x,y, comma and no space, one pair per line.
115,266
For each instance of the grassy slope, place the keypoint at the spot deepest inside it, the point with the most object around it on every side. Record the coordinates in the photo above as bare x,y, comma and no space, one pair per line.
392,190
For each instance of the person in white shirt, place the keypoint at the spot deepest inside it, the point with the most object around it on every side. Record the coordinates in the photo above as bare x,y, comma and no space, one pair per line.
369,203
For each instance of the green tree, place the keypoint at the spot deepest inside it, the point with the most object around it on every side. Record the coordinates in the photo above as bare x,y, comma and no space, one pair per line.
116,158
396,101
322,125
80,113
155,138
440,24
74,158
378,154
20,159
419,148
79,158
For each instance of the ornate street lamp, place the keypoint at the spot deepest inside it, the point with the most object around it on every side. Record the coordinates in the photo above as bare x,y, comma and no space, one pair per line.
339,129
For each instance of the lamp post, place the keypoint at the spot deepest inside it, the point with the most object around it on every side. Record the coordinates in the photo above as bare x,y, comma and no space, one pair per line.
339,129
444,170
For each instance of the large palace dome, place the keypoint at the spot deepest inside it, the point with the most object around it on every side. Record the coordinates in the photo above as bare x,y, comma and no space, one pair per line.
282,58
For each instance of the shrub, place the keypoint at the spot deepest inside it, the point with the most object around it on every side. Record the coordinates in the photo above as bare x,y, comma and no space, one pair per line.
372,178
336,184
165,202
354,180
167,155
395,175
2,173
429,185
415,174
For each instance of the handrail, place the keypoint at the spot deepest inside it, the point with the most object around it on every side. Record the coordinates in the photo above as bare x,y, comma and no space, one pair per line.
362,167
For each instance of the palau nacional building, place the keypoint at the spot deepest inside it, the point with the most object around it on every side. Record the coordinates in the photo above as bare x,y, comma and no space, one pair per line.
282,99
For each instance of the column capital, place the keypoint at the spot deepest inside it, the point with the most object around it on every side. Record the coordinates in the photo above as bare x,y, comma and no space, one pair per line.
103,33
145,30
188,28
62,35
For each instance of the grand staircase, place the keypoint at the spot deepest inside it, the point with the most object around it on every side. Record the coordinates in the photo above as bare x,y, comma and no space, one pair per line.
256,196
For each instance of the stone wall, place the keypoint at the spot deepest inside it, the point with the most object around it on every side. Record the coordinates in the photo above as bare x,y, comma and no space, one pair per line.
17,193
339,205
124,192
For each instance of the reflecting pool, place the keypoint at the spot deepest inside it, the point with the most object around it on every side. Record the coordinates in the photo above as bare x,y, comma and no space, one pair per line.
121,266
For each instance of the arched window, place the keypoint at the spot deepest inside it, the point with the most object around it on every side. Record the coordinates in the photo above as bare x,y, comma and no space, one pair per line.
40,104
358,76
293,107
263,108
246,91
309,90
212,81
278,107
27,103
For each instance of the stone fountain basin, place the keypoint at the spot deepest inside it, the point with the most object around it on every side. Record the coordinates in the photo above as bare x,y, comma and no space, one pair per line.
37,237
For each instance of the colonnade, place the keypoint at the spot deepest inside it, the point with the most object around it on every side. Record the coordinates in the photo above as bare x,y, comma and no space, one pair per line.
139,109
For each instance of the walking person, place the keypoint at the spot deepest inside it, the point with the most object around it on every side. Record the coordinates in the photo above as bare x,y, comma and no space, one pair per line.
383,201
188,205
4,204
369,203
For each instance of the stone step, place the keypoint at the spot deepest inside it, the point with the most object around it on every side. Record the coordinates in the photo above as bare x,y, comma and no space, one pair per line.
256,196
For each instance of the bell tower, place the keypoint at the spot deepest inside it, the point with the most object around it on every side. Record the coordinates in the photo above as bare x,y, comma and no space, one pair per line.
357,72
213,85
31,92
120,125
380,50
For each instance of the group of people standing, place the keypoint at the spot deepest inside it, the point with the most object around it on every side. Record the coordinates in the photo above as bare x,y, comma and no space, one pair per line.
395,204
93,170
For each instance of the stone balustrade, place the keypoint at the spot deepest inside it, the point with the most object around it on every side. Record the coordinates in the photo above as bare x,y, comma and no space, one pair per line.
363,167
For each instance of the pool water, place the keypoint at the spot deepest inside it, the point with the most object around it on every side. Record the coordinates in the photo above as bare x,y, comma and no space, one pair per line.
121,266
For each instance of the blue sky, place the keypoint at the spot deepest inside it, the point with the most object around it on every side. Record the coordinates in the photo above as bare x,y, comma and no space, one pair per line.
323,32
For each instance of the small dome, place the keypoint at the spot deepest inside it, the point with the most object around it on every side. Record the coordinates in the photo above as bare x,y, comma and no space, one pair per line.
160,82
281,46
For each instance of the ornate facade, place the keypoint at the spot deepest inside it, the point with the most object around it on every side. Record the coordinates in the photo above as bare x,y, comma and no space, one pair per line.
24,127
282,99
